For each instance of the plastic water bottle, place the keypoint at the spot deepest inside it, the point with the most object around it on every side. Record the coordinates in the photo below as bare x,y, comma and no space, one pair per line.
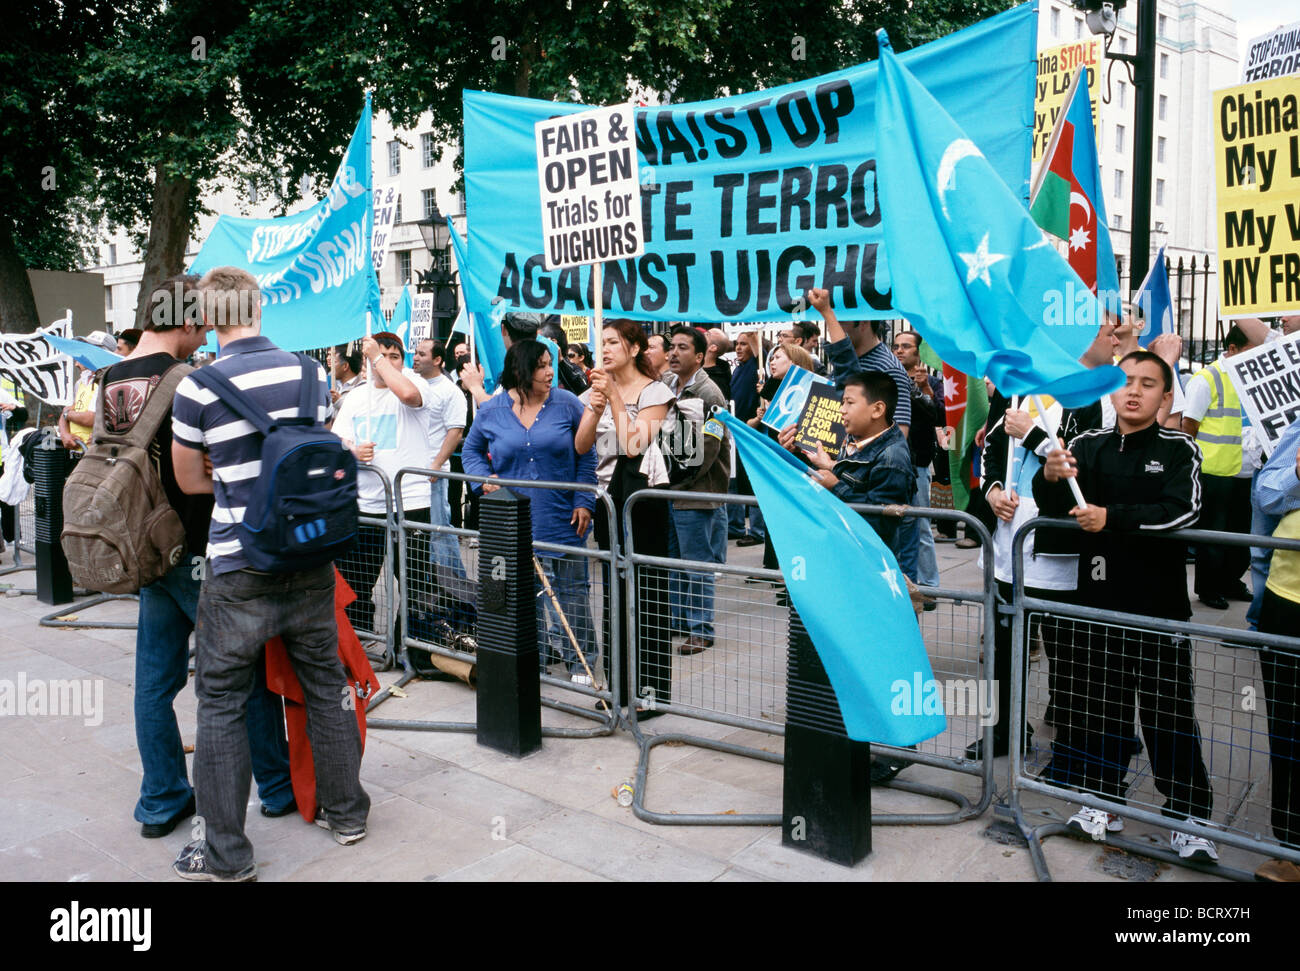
624,792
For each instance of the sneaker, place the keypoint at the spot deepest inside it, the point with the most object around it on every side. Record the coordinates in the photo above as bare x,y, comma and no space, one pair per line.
582,679
1191,847
344,837
192,864
1095,823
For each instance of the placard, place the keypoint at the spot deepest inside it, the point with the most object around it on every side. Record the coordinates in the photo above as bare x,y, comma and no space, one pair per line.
421,318
1267,379
787,404
1056,69
385,216
35,366
1272,55
577,329
821,420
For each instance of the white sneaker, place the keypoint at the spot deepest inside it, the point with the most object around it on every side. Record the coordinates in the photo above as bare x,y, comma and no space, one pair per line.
1191,847
581,679
1095,823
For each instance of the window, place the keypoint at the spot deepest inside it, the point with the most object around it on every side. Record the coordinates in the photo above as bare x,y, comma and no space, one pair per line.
1119,138
1164,65
1117,221
1119,183
108,300
112,254
1121,89
403,266
1162,25
1078,28
397,213
1164,106
1056,23
1123,44
1160,192
1160,149
1160,227
428,154
394,158
428,202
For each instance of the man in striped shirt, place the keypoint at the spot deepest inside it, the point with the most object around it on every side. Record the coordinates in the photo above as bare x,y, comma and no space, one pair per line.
241,609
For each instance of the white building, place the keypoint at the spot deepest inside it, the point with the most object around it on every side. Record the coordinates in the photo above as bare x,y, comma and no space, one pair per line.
409,157
1196,54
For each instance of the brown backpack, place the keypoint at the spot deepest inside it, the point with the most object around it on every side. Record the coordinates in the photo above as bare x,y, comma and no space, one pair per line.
119,531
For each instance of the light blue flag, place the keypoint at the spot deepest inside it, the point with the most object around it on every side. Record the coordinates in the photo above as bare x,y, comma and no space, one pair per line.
489,346
314,267
1156,302
971,270
88,355
400,322
869,643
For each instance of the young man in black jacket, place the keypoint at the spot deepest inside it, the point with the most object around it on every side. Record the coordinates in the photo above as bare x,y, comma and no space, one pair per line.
1138,479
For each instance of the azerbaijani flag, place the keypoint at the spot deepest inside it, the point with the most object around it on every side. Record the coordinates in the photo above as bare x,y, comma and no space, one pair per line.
1068,203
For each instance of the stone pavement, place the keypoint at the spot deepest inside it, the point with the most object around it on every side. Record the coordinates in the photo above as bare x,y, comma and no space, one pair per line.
447,808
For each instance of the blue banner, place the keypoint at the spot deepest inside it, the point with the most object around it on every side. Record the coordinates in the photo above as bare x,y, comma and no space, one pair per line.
791,395
488,346
747,201
313,267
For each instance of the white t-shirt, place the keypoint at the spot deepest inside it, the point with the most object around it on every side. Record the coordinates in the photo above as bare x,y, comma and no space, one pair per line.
448,411
401,437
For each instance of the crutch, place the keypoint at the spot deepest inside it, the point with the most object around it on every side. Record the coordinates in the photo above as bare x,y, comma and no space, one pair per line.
546,585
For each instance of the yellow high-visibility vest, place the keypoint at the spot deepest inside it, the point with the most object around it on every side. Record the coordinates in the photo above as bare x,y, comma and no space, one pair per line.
1219,435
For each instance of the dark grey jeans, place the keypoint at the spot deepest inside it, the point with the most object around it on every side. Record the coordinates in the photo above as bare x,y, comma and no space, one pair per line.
238,613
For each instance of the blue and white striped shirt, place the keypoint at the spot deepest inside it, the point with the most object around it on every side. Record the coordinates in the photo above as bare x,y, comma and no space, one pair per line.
273,378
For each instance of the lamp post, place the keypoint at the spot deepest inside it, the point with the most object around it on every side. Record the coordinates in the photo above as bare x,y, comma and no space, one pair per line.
438,280
1102,18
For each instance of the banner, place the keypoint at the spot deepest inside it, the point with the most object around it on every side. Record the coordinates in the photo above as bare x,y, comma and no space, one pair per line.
787,404
1257,182
1267,380
384,220
36,366
314,267
1057,67
747,201
1272,55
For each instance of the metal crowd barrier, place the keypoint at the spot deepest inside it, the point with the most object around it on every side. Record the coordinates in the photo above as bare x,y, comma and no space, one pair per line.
368,568
1230,698
438,607
740,681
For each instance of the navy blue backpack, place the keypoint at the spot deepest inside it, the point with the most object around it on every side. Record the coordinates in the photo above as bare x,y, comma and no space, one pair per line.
303,509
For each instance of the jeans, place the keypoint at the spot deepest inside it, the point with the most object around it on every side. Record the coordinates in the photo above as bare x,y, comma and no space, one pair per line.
444,549
238,613
1261,524
915,541
168,609
701,535
569,580
739,486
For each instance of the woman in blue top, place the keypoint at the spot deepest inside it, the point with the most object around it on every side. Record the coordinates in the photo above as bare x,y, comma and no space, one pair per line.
527,433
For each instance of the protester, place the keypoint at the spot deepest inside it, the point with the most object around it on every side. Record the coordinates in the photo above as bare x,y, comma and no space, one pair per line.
919,561
128,340
625,406
570,377
580,357
718,370
528,433
1278,495
77,420
239,609
1139,479
345,365
386,424
699,528
745,523
463,502
447,417
657,355
1213,417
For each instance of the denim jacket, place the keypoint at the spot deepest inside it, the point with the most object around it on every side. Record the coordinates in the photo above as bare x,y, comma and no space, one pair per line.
880,473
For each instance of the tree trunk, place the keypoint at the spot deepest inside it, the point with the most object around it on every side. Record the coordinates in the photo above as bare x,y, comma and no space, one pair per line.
17,302
164,254
524,69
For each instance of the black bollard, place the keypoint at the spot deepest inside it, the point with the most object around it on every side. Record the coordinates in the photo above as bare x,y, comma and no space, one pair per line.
826,799
51,464
509,691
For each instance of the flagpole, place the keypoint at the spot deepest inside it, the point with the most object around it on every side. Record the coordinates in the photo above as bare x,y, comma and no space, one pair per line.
370,382
1011,449
1056,134
598,298
1050,423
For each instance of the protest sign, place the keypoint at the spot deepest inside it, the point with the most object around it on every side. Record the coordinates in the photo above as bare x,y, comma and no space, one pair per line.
787,404
1267,380
1257,180
577,329
587,171
385,220
747,201
1272,55
421,318
35,366
1057,67
821,420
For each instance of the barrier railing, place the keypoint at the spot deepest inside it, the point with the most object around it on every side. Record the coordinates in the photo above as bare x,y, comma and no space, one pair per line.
1201,692
740,680
368,569
438,607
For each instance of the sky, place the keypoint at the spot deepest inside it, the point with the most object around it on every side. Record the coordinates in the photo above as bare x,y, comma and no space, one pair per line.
1255,17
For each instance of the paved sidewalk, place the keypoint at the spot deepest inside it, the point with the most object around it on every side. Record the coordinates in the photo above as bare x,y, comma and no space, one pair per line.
447,808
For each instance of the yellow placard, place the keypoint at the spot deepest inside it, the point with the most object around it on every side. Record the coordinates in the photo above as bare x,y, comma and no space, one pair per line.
1056,69
1257,182
577,328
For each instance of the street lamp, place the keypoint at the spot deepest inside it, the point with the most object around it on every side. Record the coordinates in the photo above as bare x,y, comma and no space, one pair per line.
1102,19
436,233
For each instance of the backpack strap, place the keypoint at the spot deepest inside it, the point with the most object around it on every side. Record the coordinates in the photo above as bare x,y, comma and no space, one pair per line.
307,399
239,402
151,416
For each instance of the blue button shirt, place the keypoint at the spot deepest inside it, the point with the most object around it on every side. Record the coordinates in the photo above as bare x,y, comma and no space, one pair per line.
1277,490
498,444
